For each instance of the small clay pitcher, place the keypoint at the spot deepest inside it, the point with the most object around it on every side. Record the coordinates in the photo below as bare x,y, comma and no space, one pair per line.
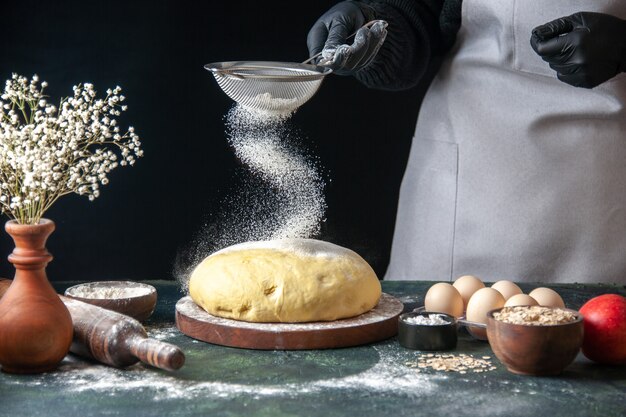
35,326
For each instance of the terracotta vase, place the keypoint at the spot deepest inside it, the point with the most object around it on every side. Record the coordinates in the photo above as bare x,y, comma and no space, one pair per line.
35,326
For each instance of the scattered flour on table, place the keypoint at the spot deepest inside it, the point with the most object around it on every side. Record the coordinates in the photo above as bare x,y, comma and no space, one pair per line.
282,195
163,332
75,376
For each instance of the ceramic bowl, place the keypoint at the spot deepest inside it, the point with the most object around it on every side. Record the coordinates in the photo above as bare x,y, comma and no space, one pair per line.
427,337
134,299
535,350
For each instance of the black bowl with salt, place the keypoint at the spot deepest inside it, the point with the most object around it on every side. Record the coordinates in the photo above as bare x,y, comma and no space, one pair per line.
427,330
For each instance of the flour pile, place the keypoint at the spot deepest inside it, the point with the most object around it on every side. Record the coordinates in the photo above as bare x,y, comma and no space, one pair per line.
280,196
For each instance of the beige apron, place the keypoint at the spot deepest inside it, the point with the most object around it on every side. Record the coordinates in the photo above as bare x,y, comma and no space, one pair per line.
512,173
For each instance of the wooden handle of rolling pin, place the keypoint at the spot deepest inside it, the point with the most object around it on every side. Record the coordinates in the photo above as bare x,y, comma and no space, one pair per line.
113,338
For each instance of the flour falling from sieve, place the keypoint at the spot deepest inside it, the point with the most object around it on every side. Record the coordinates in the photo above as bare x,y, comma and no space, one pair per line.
282,198
261,142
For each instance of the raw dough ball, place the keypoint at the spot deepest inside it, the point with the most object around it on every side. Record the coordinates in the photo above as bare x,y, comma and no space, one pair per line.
287,280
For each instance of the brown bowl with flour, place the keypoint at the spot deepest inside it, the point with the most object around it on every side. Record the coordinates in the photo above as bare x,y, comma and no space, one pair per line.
134,299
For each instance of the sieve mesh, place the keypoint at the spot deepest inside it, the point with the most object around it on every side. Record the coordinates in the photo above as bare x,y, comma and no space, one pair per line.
279,87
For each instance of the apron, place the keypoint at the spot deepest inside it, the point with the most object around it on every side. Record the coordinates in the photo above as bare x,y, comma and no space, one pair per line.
514,174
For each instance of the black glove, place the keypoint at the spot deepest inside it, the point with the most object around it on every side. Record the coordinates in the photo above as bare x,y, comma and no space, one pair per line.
585,49
331,31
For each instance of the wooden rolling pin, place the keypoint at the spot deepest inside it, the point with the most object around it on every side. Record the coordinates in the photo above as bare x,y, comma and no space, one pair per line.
113,338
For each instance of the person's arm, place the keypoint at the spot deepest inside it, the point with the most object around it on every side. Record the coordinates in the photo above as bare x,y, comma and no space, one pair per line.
417,30
414,37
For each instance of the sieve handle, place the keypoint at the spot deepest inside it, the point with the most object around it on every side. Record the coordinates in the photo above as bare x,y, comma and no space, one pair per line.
367,25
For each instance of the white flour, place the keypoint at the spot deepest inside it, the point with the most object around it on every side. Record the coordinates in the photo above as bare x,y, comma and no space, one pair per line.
428,320
282,198
280,107
388,375
302,247
261,142
95,292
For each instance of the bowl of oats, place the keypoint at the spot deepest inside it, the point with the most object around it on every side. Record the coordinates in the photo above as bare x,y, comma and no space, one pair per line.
535,340
134,299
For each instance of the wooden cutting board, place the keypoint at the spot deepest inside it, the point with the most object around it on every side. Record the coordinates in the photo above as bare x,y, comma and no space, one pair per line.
378,324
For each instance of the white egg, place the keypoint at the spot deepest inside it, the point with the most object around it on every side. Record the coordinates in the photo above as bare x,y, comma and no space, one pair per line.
444,298
467,285
482,301
547,297
507,288
520,300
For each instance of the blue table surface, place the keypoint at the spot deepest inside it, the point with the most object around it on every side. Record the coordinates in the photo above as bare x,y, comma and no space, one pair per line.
371,380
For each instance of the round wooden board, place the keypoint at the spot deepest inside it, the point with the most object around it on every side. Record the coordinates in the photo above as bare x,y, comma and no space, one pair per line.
375,325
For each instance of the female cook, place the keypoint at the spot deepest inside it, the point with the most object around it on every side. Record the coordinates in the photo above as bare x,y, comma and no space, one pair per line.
518,165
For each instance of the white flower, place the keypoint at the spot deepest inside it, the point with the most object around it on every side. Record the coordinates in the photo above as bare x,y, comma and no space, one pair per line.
50,152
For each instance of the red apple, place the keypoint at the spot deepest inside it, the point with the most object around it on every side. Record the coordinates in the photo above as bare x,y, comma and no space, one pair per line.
605,329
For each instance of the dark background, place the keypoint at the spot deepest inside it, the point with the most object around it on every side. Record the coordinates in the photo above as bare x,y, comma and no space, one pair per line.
156,51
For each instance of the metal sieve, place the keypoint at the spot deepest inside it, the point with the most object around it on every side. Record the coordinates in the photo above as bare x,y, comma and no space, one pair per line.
278,87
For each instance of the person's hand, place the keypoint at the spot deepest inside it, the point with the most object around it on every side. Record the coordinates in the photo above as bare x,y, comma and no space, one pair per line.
585,49
331,31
